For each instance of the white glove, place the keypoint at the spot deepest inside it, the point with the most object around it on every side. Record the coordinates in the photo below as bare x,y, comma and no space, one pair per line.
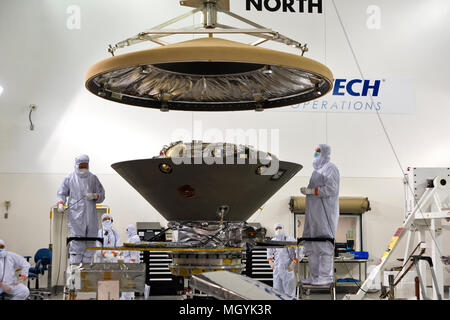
291,266
92,196
306,190
109,257
60,207
272,265
22,279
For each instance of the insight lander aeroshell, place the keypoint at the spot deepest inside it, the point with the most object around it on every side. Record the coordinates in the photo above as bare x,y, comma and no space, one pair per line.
196,192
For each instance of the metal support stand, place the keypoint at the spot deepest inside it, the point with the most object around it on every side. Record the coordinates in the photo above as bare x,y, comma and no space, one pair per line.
306,289
416,260
391,294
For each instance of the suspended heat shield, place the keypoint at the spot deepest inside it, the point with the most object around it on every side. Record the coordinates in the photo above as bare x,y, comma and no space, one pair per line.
209,74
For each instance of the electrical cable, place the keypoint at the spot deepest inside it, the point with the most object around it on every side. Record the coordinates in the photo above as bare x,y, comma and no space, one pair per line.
214,236
355,282
210,237
159,234
383,126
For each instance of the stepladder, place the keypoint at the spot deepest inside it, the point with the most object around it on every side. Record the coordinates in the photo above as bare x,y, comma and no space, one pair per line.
426,216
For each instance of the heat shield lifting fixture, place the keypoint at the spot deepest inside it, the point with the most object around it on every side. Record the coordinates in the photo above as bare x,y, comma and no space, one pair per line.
209,73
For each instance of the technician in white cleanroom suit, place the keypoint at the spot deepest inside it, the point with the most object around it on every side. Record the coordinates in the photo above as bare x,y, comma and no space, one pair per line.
321,216
282,261
9,263
84,191
111,239
131,256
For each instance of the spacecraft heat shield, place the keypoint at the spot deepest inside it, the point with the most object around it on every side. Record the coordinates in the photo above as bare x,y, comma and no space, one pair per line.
209,74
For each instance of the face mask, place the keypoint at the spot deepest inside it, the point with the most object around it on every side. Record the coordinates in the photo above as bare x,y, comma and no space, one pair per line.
83,170
316,154
2,253
107,224
279,233
129,234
